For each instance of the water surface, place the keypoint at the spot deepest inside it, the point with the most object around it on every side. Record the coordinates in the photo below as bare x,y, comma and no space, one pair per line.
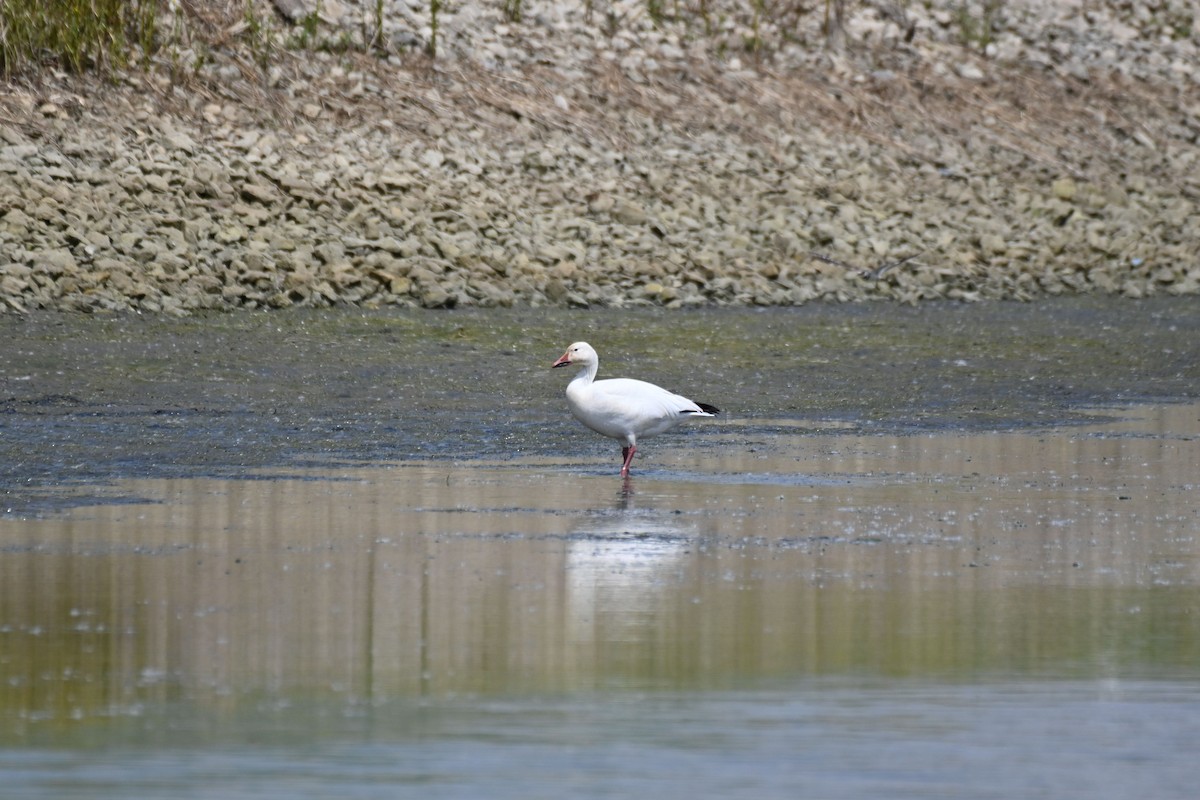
766,609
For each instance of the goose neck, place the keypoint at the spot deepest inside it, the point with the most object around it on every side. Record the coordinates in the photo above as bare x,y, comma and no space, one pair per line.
586,374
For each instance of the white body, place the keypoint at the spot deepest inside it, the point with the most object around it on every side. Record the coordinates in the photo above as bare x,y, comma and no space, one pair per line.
627,409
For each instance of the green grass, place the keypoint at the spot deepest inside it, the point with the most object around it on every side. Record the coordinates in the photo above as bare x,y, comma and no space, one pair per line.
76,35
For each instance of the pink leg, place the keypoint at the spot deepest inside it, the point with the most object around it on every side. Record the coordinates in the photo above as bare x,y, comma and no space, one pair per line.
627,453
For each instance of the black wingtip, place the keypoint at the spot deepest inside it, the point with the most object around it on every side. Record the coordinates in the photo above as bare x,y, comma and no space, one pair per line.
709,409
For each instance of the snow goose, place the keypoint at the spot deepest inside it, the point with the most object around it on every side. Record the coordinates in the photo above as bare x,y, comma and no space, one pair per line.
623,408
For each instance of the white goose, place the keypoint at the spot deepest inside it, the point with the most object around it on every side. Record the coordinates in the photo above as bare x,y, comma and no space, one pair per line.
623,408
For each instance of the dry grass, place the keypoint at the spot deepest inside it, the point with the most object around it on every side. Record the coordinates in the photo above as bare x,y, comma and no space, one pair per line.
102,35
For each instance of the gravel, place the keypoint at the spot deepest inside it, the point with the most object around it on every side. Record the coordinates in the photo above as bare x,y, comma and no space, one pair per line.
969,151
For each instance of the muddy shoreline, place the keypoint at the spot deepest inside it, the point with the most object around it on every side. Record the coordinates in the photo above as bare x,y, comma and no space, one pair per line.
90,399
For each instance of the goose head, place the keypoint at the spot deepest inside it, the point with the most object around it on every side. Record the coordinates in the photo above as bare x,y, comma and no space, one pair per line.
579,354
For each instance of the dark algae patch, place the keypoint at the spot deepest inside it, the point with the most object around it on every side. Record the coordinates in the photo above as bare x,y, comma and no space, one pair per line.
86,399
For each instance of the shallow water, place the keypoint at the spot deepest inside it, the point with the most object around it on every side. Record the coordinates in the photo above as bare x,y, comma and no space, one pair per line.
764,609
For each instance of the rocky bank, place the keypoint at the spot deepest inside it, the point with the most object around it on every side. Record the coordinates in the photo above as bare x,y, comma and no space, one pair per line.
622,153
